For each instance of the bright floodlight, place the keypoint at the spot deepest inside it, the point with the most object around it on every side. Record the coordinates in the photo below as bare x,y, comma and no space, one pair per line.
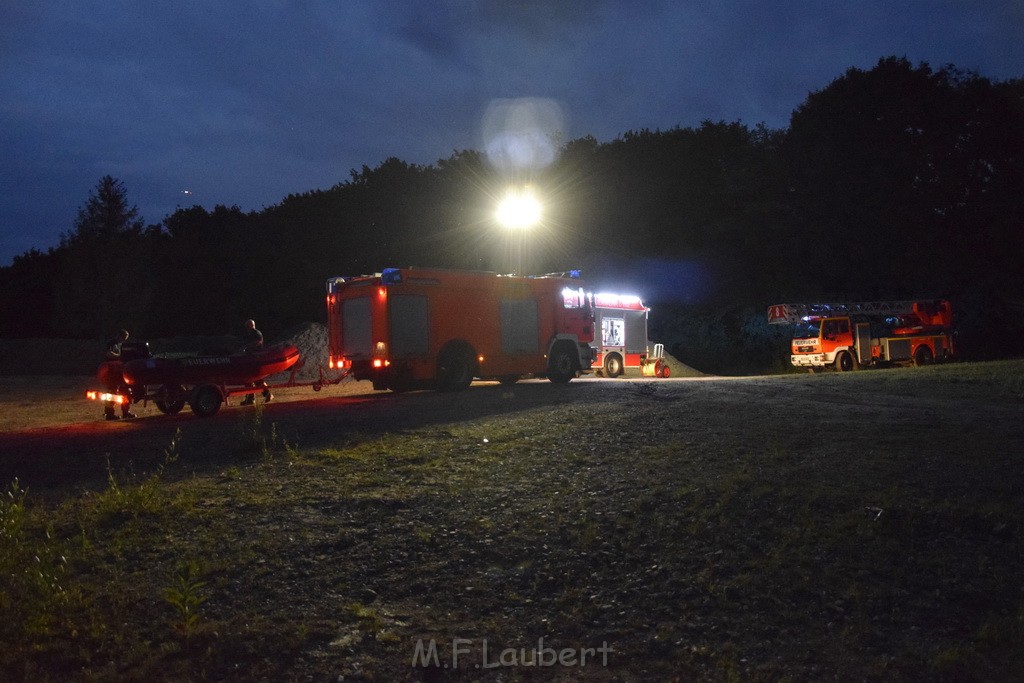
519,209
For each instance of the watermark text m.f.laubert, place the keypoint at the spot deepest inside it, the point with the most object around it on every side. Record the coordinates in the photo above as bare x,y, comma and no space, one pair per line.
467,652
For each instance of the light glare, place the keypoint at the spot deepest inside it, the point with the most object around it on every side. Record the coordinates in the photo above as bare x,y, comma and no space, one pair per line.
518,209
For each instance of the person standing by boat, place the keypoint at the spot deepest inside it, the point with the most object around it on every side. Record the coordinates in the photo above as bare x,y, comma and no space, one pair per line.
253,339
110,374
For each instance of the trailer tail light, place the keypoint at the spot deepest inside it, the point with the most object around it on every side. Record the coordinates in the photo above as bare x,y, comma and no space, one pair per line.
381,363
104,396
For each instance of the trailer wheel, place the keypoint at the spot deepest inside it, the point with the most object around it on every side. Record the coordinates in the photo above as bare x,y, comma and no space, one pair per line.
613,365
923,356
845,362
665,371
169,401
562,364
455,367
206,400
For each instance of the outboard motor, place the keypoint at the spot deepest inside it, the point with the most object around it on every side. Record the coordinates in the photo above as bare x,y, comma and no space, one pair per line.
135,350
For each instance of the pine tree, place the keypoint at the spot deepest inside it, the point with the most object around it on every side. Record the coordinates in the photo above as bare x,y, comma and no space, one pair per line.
102,282
105,216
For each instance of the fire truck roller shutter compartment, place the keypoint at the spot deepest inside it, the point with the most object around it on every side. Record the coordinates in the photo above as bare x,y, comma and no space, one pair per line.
898,349
636,331
519,326
356,332
409,321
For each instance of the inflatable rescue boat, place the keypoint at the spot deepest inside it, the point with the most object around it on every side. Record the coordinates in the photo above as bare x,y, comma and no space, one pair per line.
234,369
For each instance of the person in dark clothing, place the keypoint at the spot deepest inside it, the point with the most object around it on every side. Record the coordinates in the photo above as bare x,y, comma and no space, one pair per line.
114,345
113,379
253,339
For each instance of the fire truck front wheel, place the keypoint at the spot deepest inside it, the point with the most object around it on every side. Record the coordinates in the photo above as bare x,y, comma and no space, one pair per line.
845,362
455,367
563,363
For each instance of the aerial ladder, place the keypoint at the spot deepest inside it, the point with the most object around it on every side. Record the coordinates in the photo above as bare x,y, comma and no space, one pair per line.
850,335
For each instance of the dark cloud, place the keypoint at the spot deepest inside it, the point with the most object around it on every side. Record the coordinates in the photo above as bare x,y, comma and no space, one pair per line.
244,103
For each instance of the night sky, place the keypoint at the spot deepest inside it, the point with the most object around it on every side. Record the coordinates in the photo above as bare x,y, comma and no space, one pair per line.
242,103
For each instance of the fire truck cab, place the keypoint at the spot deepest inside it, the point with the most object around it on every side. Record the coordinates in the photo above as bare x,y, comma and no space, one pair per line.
407,328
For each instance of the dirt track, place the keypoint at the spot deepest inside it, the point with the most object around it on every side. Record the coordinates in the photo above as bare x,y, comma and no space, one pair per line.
728,413
69,448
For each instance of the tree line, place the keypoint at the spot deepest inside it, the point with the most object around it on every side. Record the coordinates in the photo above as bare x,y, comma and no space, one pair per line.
892,182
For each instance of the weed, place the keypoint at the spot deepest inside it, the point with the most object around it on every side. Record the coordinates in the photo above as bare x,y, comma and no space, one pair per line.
186,594
256,437
128,500
134,500
32,570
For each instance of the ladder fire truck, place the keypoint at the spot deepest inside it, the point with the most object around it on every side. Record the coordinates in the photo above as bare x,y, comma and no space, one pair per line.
848,336
407,328
620,324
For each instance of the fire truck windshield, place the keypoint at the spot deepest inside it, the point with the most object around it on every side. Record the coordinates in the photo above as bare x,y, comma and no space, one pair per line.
807,329
573,298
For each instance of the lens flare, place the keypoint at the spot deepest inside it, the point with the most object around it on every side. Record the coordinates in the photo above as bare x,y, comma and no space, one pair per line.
519,209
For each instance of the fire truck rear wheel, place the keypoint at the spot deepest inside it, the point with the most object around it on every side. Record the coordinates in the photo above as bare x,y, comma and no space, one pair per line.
923,356
613,365
845,362
455,367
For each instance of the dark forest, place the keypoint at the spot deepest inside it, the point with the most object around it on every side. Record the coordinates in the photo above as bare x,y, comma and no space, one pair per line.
896,182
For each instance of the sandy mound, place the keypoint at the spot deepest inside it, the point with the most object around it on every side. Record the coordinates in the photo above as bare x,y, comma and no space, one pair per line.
311,340
679,368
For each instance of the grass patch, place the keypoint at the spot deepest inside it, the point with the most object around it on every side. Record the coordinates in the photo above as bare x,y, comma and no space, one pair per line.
699,529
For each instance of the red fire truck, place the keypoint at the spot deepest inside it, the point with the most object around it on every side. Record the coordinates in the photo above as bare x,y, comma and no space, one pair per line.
622,343
848,336
407,328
